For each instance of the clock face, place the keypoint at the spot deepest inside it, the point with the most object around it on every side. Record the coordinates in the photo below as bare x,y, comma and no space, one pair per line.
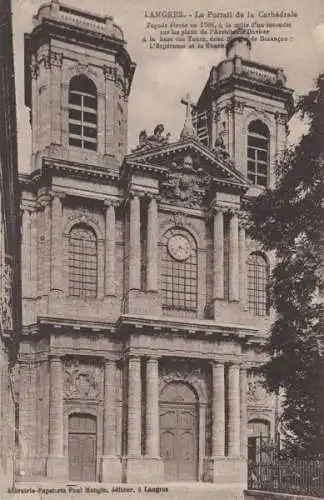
179,247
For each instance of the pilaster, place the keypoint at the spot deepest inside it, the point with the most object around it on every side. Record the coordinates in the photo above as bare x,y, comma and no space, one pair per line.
152,245
111,467
152,408
110,248
218,253
57,243
233,257
57,467
134,406
135,243
242,264
243,413
218,408
234,410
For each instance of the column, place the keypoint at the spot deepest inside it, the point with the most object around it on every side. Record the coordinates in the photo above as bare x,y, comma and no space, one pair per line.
152,243
234,410
47,246
56,60
34,253
152,407
55,437
218,265
242,273
218,404
134,406
135,244
25,252
110,244
244,418
57,243
110,408
233,258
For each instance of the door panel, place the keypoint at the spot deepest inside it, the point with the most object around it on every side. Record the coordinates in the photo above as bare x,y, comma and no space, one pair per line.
82,448
178,427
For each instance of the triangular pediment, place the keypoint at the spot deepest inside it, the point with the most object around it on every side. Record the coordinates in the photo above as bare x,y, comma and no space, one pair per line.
190,157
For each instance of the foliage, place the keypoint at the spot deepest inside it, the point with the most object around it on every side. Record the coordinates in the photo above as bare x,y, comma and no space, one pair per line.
289,220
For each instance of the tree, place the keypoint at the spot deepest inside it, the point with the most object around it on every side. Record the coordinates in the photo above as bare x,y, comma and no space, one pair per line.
290,220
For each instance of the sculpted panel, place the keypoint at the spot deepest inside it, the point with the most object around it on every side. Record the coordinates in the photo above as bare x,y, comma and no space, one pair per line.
82,380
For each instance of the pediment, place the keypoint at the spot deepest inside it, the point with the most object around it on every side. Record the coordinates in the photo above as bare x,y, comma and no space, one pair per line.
188,170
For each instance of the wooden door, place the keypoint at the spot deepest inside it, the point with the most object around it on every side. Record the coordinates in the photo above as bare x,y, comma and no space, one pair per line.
82,447
178,438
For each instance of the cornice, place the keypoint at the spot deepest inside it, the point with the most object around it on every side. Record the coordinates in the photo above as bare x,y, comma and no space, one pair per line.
151,325
69,169
201,328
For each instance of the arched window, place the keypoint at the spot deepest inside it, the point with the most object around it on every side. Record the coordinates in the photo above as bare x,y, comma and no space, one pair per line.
258,276
258,153
179,270
83,262
82,113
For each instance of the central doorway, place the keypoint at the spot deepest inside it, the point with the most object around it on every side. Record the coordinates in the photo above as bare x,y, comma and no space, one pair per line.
179,432
82,447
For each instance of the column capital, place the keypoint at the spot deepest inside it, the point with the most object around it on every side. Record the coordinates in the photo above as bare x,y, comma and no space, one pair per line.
216,362
110,361
44,200
132,356
152,196
216,208
55,358
233,211
150,358
57,194
134,193
111,202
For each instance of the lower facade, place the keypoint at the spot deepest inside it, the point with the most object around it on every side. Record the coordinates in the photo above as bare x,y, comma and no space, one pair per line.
93,409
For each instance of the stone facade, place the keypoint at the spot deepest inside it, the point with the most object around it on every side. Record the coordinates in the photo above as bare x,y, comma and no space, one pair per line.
10,304
139,337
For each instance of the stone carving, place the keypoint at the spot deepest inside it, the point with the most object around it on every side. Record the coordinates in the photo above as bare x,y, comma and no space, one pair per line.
82,68
155,140
257,394
186,183
219,148
6,296
109,72
56,59
85,216
82,380
185,372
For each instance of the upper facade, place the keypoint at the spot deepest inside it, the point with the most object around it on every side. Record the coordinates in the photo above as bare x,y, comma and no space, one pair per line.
158,232
77,82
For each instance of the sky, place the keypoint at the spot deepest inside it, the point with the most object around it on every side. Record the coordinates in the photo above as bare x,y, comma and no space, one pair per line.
162,78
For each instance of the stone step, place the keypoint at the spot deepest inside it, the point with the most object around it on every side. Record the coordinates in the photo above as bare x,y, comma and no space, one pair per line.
100,491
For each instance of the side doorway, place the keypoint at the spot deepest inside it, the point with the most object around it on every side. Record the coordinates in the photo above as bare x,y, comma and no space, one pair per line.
82,447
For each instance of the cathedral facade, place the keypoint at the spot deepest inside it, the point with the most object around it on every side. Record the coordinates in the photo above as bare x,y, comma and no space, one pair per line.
145,305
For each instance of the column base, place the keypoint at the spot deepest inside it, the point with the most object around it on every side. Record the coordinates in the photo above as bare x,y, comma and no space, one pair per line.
111,469
57,468
226,470
143,470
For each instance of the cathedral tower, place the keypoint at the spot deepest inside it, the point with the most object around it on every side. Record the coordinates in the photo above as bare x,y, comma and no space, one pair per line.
248,105
77,82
